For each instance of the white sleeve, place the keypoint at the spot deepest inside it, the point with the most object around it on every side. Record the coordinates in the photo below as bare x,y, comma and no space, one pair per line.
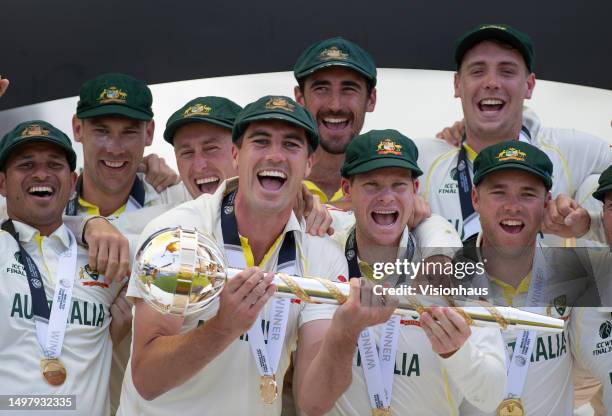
586,154
436,236
330,264
478,368
596,231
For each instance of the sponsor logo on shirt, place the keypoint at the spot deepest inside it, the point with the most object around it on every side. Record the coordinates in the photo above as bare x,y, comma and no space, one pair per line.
451,184
89,277
605,345
17,267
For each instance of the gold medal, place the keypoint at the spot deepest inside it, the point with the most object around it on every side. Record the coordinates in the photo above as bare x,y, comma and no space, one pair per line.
511,407
268,390
385,411
53,370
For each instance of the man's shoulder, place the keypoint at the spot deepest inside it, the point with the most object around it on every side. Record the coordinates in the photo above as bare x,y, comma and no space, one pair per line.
432,150
321,254
172,195
565,139
199,213
434,154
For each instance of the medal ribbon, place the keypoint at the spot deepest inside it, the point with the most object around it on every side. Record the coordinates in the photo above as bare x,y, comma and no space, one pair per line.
525,341
377,367
266,357
50,324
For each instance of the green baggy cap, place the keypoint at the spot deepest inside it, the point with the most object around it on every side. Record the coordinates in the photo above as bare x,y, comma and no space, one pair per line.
513,154
335,52
500,32
378,149
36,131
605,184
115,94
275,107
214,110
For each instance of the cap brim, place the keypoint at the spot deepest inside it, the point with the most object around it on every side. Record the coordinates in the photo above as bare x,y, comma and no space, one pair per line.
284,117
70,153
600,193
516,166
171,129
328,64
115,110
383,162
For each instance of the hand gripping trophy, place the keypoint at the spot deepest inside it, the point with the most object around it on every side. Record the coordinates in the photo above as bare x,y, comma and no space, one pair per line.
180,271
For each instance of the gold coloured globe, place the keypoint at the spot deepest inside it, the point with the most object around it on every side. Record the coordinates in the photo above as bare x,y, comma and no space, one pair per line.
180,271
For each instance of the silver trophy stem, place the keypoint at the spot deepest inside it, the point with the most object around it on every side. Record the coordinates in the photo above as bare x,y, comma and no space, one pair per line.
318,291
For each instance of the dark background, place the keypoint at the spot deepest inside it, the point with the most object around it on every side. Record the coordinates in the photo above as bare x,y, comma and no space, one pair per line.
49,47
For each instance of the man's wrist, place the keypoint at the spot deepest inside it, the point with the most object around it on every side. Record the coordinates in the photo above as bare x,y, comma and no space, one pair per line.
83,228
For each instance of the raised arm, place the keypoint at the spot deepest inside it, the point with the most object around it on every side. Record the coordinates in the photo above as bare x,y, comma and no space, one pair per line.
162,358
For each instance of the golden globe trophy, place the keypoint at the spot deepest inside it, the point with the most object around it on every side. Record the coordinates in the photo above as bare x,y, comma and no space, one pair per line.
180,271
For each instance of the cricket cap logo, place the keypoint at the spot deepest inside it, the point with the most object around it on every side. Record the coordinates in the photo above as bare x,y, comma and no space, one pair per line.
511,153
388,146
34,130
112,95
279,103
333,53
197,110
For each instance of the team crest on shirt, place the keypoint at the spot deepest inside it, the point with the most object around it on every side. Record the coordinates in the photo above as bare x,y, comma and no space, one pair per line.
333,52
112,95
90,277
197,110
559,308
388,147
279,103
511,153
34,130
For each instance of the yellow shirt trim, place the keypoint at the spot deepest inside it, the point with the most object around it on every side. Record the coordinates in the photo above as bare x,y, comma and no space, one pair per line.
471,153
317,191
248,252
91,209
38,238
449,397
509,292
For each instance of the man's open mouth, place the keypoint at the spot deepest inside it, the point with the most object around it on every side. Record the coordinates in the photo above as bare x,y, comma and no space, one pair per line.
41,191
272,179
491,104
208,185
512,226
385,217
112,164
335,123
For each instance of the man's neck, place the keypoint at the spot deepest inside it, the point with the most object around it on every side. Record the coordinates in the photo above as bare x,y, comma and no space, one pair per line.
371,253
44,230
325,171
510,268
106,203
260,228
479,141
